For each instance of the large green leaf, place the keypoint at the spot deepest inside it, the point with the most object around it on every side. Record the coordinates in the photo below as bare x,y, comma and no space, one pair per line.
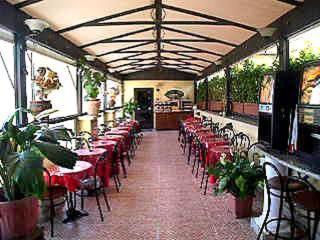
57,154
28,174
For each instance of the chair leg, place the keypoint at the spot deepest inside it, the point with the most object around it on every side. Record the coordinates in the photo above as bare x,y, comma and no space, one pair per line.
118,179
129,159
198,165
82,199
98,204
315,225
206,186
52,213
123,167
203,174
116,183
106,199
195,159
264,221
189,154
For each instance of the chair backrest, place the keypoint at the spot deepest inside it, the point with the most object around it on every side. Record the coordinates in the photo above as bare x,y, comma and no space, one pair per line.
226,132
241,142
100,167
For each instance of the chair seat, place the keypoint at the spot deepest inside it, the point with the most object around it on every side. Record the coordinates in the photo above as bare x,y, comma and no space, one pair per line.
55,191
275,183
309,200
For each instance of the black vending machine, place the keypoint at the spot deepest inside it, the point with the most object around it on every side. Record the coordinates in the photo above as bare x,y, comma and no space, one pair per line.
278,100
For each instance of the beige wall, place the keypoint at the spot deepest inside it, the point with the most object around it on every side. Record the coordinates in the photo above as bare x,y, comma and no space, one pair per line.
163,85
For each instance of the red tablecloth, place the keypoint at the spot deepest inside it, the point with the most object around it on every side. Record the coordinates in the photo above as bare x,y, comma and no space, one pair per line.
114,135
70,178
92,157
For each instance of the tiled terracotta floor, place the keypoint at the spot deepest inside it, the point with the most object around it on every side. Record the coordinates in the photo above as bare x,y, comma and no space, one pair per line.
159,200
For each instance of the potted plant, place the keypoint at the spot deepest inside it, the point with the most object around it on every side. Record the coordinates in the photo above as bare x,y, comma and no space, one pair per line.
22,151
129,108
91,84
240,177
45,82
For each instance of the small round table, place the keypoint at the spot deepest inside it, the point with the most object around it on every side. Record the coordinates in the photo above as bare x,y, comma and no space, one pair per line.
71,180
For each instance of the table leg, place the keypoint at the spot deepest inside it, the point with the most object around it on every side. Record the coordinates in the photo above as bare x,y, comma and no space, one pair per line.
72,212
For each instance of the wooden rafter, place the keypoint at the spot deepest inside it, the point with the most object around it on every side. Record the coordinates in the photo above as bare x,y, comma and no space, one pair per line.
194,58
125,58
158,20
125,48
26,3
120,14
194,48
200,36
185,22
292,2
202,15
111,39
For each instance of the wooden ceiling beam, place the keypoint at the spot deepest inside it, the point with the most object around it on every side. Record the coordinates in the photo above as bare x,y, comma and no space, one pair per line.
199,36
26,3
214,18
158,22
125,48
120,14
116,37
196,49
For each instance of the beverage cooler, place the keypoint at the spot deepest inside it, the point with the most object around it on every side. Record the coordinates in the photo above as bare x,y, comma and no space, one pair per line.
309,111
278,100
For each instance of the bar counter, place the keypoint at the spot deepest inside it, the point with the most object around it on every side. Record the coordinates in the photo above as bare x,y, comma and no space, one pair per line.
303,163
170,120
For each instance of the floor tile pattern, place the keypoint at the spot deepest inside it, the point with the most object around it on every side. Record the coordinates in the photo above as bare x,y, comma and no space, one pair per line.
160,199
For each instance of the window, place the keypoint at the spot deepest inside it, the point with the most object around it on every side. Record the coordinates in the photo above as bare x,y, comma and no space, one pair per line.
65,98
7,93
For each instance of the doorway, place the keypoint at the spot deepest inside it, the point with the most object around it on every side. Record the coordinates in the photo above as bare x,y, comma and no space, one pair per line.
144,112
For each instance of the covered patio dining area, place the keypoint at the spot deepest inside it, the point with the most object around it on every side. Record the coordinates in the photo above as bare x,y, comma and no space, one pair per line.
159,119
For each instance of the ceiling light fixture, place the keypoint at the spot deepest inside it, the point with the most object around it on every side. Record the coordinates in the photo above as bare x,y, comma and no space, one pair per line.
267,31
36,26
90,58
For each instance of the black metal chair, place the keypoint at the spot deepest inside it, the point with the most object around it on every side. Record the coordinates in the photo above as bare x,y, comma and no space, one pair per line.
240,142
98,185
281,187
226,132
54,192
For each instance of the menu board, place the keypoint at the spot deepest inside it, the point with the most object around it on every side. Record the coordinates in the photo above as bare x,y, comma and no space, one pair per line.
310,86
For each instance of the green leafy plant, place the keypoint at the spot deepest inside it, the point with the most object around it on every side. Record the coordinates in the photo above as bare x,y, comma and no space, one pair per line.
217,88
130,107
240,177
246,81
22,151
92,80
305,56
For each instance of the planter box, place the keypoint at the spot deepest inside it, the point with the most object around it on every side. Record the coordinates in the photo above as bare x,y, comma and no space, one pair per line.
251,109
240,208
202,105
238,107
216,106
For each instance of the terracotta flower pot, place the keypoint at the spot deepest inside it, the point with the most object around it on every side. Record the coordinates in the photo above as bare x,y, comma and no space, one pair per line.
251,109
93,107
216,106
18,218
241,208
37,107
237,107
